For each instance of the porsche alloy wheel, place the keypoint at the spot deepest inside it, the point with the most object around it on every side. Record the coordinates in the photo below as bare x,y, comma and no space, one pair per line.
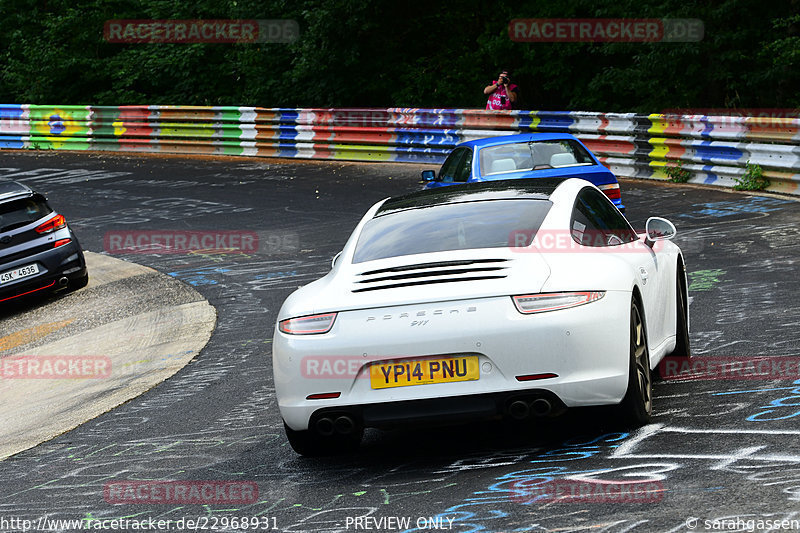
637,406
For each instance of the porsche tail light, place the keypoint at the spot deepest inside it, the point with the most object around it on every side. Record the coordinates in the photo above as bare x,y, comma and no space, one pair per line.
324,396
57,222
539,303
61,242
611,190
534,377
308,325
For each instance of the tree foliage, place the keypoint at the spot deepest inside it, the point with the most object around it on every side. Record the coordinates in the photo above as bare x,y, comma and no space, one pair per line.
380,53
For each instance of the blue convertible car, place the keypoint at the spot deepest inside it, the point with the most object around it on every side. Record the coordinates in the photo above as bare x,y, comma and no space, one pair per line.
529,155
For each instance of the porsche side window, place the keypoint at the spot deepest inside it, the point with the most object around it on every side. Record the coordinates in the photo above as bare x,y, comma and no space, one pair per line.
578,230
452,165
596,222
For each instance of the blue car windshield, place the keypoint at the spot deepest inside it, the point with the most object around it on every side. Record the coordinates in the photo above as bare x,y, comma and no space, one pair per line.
536,155
457,226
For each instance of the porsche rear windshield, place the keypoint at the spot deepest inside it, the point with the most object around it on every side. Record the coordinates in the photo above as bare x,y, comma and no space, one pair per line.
21,212
459,226
538,155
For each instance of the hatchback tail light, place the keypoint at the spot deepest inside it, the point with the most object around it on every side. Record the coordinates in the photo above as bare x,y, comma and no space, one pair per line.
55,223
612,191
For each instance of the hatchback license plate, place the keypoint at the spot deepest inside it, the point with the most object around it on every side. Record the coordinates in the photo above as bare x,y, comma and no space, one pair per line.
18,273
425,371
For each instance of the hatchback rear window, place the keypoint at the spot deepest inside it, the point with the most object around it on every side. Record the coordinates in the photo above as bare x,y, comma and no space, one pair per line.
22,212
441,228
537,155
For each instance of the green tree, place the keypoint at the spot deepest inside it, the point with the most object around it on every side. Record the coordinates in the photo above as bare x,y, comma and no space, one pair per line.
379,53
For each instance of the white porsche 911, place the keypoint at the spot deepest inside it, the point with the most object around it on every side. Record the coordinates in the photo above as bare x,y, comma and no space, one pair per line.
514,298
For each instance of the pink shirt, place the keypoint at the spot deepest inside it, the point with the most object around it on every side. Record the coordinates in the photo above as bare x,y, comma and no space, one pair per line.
495,100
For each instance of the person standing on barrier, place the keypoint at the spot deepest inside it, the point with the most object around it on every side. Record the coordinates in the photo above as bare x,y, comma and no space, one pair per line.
502,93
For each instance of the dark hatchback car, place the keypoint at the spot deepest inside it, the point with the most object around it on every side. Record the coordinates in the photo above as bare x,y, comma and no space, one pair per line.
38,251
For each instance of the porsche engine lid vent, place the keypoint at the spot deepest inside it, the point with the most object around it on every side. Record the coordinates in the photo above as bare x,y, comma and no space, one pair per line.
430,273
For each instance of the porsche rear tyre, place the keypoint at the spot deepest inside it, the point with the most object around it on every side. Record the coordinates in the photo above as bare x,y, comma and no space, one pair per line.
636,407
682,348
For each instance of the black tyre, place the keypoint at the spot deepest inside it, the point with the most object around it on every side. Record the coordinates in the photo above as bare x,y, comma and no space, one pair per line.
636,407
79,283
309,444
303,442
682,348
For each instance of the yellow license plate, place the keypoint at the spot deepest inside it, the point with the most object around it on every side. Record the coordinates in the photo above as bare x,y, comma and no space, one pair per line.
424,371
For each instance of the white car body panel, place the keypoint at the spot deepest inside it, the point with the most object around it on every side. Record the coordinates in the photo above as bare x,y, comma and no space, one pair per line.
586,346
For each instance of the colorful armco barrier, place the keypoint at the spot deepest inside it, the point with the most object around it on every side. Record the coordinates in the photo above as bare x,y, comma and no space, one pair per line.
714,148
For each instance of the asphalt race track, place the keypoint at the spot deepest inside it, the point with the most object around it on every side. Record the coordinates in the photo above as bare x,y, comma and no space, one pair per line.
131,328
716,450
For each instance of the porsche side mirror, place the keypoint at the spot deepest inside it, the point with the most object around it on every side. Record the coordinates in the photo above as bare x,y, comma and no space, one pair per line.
428,175
335,258
658,229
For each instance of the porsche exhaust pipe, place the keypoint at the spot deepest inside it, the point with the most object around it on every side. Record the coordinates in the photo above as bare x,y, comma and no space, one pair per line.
325,427
525,407
519,410
541,407
344,425
63,281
